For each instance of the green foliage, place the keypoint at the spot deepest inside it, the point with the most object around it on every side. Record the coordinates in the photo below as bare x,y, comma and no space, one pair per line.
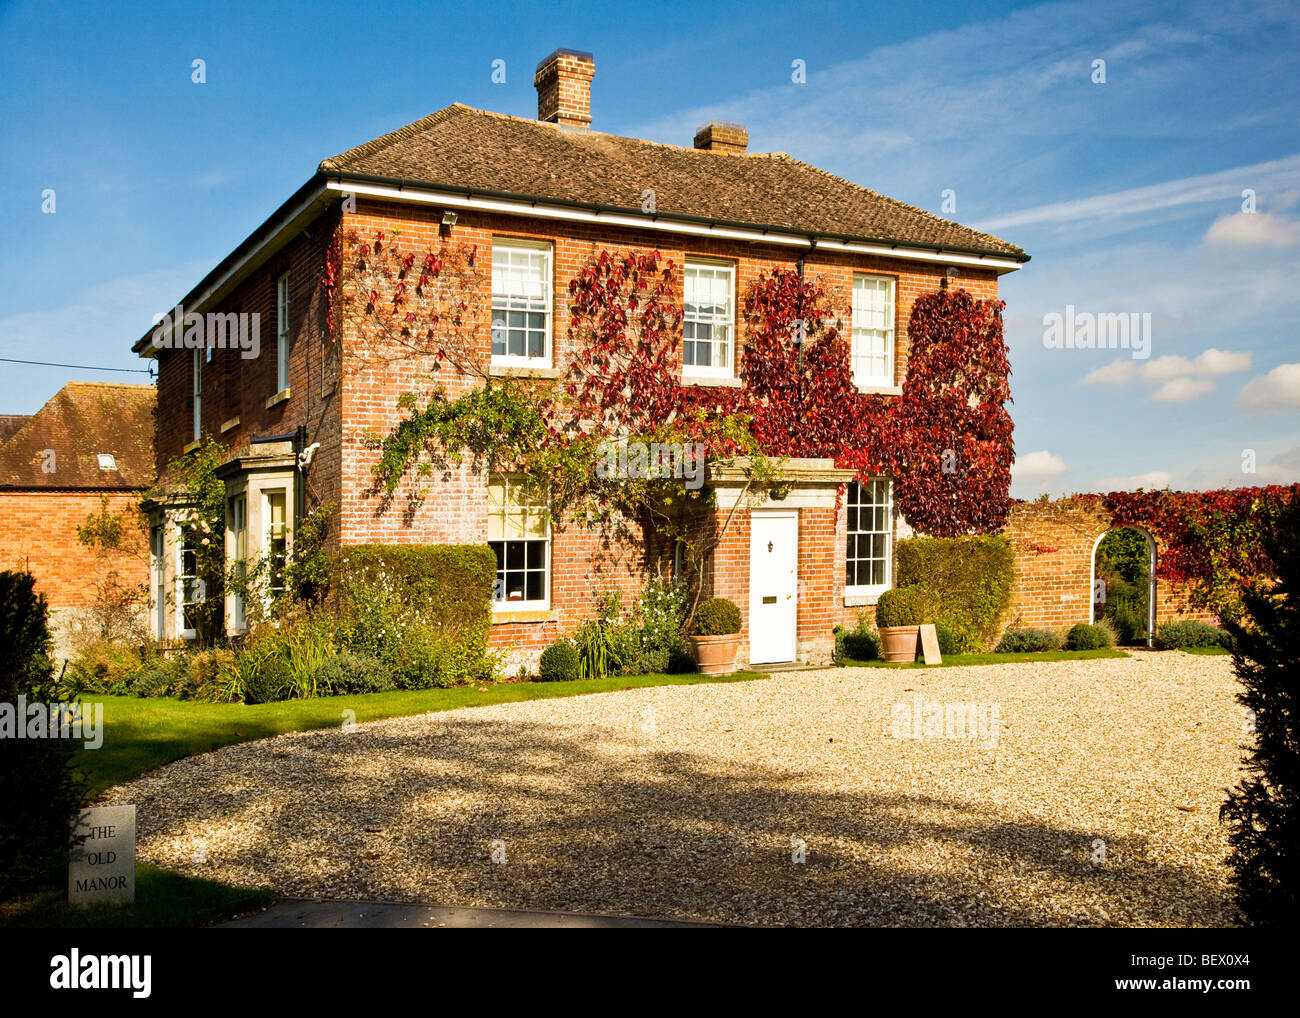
662,609
862,643
158,676
1191,633
100,664
1090,637
1123,565
351,673
424,610
1030,641
716,617
593,642
559,662
904,606
968,579
310,569
947,641
1263,810
38,787
205,492
113,539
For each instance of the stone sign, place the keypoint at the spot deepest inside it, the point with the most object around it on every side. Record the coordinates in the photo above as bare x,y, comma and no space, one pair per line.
930,645
101,869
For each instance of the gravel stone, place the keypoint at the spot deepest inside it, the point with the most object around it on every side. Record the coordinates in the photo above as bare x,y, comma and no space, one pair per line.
1095,805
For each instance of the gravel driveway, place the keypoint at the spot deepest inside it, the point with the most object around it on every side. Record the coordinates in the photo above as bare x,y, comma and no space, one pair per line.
1088,796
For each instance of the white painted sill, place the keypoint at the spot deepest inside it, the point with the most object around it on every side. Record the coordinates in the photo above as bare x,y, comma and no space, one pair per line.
725,381
522,371
862,600
503,618
279,397
883,390
229,425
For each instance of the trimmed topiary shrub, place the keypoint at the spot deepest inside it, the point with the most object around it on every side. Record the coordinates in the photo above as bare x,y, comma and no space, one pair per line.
904,606
1030,641
969,580
716,617
1085,637
1190,633
559,662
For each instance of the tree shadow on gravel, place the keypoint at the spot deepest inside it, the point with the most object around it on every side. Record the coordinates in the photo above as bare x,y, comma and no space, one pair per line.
616,824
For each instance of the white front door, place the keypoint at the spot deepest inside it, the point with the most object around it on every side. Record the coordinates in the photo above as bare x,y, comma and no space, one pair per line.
773,600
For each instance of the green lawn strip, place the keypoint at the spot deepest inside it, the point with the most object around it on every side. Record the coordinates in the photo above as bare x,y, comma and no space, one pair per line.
162,899
955,660
143,733
1205,650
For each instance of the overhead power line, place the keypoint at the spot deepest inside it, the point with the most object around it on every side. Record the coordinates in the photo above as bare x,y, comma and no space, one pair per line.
79,367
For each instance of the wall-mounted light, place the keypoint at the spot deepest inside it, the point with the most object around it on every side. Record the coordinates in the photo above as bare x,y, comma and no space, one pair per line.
448,221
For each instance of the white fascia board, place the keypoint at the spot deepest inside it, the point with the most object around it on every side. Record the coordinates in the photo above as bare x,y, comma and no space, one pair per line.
452,199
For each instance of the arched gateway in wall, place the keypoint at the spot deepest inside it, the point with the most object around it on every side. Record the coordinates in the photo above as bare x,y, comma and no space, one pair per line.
1056,545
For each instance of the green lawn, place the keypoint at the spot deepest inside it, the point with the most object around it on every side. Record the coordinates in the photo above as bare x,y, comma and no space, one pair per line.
141,734
954,660
162,899
1204,650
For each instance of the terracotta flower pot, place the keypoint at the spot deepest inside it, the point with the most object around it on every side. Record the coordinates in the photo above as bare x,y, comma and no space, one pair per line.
898,643
716,655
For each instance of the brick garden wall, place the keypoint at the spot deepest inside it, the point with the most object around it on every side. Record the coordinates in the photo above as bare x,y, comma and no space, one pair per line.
1054,543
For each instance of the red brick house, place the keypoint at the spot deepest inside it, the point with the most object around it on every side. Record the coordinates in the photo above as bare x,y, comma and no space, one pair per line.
92,441
535,199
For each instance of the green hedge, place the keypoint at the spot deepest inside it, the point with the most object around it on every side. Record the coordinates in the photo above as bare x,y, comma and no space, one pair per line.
447,587
969,580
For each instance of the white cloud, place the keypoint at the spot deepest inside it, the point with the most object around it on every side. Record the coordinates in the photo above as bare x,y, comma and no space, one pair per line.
1119,372
1211,362
1253,229
1225,185
1180,390
1154,479
1278,390
1038,465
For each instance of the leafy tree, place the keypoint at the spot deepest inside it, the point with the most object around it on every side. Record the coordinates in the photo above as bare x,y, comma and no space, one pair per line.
1263,810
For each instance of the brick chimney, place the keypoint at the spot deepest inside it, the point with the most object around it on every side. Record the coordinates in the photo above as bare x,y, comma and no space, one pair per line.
563,82
722,136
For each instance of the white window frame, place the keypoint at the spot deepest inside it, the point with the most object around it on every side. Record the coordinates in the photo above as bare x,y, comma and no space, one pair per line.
500,600
239,553
282,333
196,396
200,593
504,303
271,586
867,589
725,320
863,332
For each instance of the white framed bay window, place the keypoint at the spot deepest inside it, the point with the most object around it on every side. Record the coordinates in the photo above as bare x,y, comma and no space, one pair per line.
867,558
521,303
708,319
873,331
519,533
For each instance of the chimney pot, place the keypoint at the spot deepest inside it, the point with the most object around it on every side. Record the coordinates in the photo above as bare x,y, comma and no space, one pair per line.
563,82
722,136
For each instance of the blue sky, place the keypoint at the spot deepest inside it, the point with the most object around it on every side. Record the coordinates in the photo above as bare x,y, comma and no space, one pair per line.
1128,193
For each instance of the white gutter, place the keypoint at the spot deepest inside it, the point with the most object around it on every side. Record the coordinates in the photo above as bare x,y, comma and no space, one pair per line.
507,206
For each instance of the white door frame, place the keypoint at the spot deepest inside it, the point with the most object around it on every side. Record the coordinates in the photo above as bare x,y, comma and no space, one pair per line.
776,514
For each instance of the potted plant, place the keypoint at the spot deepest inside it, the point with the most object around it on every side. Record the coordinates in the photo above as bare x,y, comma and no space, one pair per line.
715,635
900,613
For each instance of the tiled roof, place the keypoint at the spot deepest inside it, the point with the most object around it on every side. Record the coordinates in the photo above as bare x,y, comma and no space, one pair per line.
465,148
9,425
81,421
